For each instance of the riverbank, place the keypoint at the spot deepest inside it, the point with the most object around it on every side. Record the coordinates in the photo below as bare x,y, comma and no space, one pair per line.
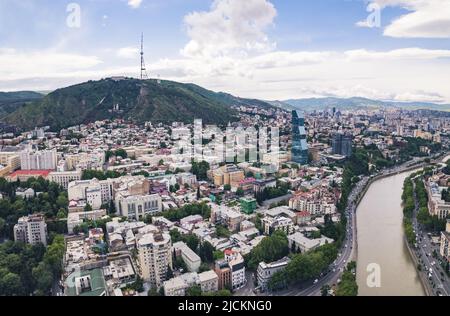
425,284
379,210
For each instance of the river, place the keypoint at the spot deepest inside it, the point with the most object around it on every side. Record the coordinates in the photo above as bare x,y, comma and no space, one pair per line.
381,242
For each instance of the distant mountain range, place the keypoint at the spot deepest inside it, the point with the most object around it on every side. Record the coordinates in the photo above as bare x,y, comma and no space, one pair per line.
354,104
131,99
156,101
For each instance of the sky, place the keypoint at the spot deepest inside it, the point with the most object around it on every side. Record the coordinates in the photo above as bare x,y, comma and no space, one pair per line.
266,49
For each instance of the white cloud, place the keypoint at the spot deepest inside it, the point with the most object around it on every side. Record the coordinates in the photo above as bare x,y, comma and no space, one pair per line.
402,54
231,26
419,96
425,19
134,3
128,52
16,64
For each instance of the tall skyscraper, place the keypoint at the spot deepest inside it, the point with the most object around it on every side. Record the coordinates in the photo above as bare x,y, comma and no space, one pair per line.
342,144
299,143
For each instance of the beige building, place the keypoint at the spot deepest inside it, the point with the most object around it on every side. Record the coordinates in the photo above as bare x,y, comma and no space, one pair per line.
9,162
65,177
155,257
229,174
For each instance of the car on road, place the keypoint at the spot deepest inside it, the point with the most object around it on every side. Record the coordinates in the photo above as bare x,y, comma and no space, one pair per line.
316,281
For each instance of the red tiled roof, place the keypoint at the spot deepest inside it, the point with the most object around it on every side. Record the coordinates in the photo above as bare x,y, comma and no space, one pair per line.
43,173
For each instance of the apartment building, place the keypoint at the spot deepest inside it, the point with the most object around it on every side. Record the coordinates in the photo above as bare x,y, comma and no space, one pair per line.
31,229
65,177
190,258
155,257
267,270
38,160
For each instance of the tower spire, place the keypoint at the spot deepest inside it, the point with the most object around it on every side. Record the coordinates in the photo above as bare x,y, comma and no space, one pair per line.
143,69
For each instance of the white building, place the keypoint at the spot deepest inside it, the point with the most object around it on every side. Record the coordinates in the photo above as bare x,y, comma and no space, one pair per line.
237,267
301,243
190,258
138,206
38,160
155,257
31,229
64,178
267,270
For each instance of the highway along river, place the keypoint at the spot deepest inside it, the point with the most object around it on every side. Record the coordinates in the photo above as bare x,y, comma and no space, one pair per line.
381,246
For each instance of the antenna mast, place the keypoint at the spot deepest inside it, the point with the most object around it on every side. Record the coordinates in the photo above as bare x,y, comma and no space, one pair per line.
143,69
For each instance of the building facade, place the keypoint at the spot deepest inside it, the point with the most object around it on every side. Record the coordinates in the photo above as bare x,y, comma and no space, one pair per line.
299,143
31,229
155,257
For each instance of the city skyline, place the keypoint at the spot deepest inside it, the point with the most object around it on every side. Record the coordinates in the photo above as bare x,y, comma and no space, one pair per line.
265,49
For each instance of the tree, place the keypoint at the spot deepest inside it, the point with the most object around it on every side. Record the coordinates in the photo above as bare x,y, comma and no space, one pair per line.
88,208
325,289
269,249
192,242
10,285
227,187
153,292
204,267
200,169
206,252
195,291
240,192
2,226
43,278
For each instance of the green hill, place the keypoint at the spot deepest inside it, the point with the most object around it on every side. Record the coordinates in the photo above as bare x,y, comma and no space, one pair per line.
10,101
138,101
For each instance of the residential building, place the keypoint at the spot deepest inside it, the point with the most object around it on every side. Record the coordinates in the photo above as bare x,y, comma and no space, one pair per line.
299,242
267,270
248,206
65,177
31,229
190,258
155,257
342,144
38,160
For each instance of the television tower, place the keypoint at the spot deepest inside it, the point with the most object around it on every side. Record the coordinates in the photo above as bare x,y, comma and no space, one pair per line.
143,69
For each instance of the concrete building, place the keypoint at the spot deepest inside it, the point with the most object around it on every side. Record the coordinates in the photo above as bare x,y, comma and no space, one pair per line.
86,283
267,270
38,160
138,206
342,144
299,242
155,257
221,214
31,229
65,177
228,175
190,258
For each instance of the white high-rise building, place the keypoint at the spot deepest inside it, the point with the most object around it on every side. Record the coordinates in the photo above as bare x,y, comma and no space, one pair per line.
31,229
38,160
155,257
